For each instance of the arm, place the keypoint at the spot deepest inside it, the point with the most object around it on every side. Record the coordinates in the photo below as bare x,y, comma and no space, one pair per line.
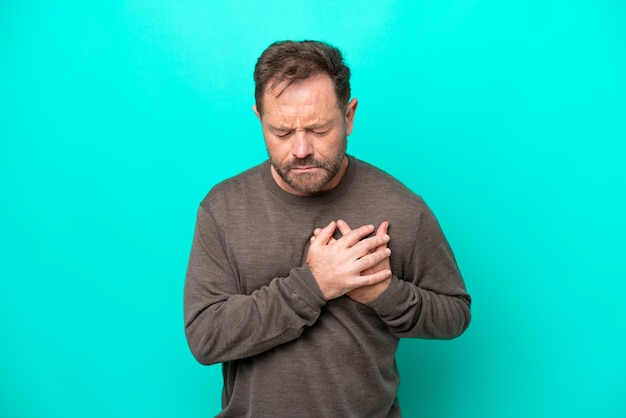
430,301
220,323
223,324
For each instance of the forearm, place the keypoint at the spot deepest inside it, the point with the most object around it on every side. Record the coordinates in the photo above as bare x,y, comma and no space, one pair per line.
429,299
223,327
223,320
415,312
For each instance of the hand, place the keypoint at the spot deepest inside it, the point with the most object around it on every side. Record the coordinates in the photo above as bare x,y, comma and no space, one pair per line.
342,265
368,293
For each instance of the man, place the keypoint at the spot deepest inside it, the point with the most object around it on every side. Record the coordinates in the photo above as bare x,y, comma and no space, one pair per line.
290,285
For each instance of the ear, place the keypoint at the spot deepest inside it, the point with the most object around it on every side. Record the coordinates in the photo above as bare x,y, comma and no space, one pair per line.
256,112
350,111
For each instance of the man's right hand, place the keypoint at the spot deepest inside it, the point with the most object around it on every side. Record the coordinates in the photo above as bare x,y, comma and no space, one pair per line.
341,265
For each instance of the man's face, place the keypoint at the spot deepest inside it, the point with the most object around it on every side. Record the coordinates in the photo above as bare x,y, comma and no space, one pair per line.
305,133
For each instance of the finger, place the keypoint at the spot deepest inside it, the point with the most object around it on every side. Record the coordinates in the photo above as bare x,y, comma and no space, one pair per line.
373,258
374,278
383,228
343,227
316,232
329,242
356,235
324,235
370,245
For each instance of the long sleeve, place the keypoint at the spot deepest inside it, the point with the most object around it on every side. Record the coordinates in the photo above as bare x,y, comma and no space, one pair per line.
221,322
429,300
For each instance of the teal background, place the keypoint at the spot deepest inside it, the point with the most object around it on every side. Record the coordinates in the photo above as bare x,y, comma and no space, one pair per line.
116,117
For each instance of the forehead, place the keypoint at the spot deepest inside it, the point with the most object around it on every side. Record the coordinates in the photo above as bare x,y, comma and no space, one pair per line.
313,99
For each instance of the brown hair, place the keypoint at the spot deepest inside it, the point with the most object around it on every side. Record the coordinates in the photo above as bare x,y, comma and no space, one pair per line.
292,61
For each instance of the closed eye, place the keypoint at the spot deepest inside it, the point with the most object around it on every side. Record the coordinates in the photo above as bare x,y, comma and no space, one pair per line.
320,132
282,134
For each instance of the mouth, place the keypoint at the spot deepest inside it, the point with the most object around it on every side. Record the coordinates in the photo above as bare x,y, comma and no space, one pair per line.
305,170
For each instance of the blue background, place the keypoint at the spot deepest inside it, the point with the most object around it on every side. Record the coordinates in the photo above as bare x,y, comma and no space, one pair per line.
116,117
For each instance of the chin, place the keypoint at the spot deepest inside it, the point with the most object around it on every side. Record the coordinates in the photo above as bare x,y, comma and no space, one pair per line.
308,186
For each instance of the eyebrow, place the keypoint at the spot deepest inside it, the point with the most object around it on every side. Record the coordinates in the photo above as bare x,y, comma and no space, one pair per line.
319,125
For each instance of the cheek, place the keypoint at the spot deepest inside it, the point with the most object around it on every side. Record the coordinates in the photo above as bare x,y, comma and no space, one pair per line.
332,146
278,150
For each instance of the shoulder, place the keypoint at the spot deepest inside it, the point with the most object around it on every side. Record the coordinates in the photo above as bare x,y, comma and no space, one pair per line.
402,207
379,183
234,188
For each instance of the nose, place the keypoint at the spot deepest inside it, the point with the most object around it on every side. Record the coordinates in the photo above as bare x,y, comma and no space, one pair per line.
302,147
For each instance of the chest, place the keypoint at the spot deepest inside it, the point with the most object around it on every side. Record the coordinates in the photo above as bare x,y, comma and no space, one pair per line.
268,241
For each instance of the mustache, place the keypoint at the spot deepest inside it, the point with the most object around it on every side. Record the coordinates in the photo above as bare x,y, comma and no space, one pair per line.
306,162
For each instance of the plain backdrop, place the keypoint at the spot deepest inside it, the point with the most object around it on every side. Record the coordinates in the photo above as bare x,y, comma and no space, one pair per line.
117,117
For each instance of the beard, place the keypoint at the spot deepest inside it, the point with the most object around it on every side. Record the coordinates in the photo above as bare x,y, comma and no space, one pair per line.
311,183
